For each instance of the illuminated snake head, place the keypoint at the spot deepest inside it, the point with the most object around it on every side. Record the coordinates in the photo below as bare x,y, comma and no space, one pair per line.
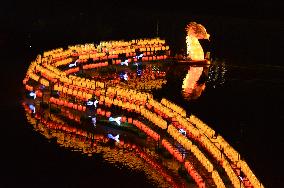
197,30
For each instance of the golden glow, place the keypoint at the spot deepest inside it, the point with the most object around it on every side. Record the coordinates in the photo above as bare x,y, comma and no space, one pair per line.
189,86
53,71
124,153
194,49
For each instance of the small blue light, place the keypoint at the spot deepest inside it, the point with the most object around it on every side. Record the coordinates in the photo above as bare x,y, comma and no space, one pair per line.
41,87
125,77
73,64
182,131
94,121
124,62
117,120
90,103
116,138
32,107
32,94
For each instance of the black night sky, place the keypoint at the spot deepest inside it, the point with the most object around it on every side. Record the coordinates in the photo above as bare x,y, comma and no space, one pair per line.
45,25
246,32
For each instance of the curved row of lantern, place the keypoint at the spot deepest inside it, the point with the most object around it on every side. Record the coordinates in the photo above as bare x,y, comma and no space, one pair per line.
124,105
63,62
151,133
187,144
149,41
76,93
249,174
161,108
114,48
103,112
159,168
147,81
82,47
229,151
190,169
148,48
53,69
139,109
147,130
129,93
173,106
51,52
36,78
200,156
202,126
97,91
191,129
193,173
183,140
209,146
67,104
53,77
95,65
213,150
51,72
153,58
79,90
72,70
67,113
83,82
217,154
232,175
217,179
228,169
234,179
173,151
132,43
103,56
98,138
157,120
151,84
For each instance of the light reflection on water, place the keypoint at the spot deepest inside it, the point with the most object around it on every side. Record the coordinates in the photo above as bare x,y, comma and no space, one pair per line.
217,74
191,89
158,76
136,154
143,77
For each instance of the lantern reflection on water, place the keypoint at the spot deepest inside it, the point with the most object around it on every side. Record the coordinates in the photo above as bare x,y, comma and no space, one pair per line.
126,154
191,88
